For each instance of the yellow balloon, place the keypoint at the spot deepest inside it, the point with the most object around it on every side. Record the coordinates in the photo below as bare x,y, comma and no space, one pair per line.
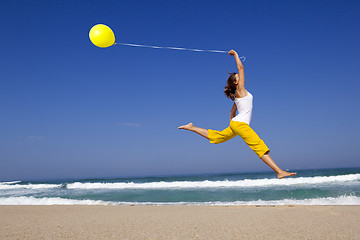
102,36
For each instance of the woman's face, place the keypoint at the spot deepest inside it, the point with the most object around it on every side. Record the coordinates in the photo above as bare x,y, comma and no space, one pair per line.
237,79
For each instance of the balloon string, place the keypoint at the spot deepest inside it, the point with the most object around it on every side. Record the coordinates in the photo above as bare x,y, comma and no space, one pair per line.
177,48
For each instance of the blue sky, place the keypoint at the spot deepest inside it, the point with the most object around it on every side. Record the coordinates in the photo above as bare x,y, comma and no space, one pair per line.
72,110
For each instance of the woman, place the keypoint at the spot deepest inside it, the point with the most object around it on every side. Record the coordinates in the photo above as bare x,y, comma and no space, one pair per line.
239,124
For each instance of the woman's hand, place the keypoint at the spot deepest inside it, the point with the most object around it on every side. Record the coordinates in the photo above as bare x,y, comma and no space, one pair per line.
232,52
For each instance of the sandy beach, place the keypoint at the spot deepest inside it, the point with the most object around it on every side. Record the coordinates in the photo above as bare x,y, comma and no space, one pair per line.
179,222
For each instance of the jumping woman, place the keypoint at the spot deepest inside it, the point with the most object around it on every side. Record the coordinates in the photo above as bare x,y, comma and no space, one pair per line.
239,124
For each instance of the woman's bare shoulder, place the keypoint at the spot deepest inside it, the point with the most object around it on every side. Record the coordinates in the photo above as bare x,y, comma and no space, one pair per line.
240,93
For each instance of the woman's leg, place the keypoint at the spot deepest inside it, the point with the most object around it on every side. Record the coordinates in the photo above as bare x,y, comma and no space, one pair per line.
258,146
280,173
214,136
200,131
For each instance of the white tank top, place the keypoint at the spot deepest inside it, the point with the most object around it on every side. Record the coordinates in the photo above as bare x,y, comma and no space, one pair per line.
244,106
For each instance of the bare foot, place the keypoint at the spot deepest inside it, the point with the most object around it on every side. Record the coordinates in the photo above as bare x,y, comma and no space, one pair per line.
285,174
187,126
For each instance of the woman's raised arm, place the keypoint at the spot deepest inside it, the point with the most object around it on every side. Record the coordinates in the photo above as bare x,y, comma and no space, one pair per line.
237,59
240,67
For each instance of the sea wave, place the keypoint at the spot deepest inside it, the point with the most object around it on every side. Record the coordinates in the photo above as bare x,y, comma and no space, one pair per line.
246,183
13,182
49,201
29,186
219,184
341,200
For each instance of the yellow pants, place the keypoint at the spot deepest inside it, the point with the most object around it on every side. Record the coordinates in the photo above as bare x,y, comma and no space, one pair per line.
244,131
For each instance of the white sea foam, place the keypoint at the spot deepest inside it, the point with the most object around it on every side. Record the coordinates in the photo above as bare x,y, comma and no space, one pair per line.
29,186
13,182
220,184
341,200
48,201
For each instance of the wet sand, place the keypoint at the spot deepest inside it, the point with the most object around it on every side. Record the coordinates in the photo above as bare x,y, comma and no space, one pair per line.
179,222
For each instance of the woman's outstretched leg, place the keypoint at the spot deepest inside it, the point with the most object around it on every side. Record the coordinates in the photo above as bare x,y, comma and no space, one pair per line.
214,136
280,173
200,131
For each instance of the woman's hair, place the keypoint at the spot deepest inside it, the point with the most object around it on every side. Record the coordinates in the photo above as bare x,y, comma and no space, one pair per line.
230,88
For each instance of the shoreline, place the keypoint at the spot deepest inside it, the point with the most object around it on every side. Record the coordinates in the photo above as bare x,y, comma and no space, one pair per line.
179,222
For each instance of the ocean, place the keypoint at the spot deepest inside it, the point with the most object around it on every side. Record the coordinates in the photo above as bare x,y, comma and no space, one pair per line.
309,187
